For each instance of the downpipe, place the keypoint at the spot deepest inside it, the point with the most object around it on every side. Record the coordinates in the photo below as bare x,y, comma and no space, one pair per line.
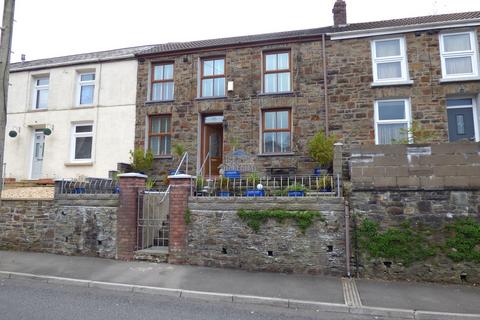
347,239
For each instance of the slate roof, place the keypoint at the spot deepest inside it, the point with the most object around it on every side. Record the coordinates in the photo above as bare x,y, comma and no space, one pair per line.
79,58
224,42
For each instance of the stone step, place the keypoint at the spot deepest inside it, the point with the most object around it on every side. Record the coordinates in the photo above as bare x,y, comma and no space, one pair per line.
154,254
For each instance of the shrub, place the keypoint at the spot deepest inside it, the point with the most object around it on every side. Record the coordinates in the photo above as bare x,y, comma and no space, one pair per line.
463,244
140,160
320,148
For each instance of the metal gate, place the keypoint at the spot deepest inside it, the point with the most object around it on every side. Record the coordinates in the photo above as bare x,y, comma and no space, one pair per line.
152,219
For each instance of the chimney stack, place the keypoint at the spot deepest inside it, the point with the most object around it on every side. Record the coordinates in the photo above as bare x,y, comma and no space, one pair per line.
339,13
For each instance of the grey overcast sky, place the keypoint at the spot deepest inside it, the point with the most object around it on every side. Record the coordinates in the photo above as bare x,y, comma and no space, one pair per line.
50,28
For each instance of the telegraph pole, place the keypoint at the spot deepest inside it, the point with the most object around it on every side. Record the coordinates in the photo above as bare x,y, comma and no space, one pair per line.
5,48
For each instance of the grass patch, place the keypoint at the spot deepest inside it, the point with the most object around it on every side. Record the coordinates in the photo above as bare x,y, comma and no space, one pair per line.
463,243
403,244
255,218
187,217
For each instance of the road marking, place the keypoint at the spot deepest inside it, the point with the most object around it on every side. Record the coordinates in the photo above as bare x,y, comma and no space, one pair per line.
350,293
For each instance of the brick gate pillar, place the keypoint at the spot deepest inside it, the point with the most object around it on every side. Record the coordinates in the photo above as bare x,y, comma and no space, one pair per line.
130,185
180,188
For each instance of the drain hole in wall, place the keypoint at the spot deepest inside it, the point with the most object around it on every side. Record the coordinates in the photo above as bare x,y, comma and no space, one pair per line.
66,239
99,242
463,277
387,264
224,250
270,253
329,248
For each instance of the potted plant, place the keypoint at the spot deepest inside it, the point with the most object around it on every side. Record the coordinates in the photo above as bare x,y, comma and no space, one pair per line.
141,160
178,150
223,185
321,148
297,190
253,179
324,183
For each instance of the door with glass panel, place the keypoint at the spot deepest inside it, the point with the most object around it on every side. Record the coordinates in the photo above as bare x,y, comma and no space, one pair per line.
461,124
38,151
212,144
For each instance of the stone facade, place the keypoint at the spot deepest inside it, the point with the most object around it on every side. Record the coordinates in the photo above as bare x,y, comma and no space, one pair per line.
71,225
352,97
218,237
241,108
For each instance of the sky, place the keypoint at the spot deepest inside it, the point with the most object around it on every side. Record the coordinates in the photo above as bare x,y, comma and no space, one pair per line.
51,28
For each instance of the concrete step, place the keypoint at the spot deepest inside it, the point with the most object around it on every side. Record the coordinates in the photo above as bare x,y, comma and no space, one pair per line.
153,254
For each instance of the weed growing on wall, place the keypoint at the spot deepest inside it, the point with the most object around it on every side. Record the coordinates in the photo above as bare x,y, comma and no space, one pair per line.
403,244
255,219
463,243
187,217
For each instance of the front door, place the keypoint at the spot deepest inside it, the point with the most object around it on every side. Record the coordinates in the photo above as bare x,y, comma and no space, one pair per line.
38,150
460,124
212,147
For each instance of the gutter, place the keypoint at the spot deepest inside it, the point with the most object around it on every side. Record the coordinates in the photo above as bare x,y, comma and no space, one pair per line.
402,29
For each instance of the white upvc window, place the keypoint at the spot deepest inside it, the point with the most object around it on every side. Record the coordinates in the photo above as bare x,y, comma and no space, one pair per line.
392,121
459,55
82,142
40,93
86,88
389,60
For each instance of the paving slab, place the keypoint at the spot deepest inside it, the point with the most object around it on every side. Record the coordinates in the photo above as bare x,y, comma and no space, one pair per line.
272,285
419,296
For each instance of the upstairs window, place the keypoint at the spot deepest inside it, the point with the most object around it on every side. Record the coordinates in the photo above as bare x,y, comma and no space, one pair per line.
160,135
213,77
86,88
276,131
389,60
276,72
392,121
162,82
459,55
40,93
82,142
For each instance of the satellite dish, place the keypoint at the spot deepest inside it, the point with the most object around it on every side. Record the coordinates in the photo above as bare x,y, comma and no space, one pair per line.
47,131
12,133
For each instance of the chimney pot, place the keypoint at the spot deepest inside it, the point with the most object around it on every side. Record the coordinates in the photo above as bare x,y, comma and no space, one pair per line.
339,13
23,57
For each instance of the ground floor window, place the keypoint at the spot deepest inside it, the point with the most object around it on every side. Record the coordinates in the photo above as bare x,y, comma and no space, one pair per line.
276,131
82,142
462,119
392,120
160,135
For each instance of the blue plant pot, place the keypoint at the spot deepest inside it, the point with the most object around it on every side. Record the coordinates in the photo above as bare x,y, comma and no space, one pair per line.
296,193
116,190
327,189
255,193
223,193
79,190
232,174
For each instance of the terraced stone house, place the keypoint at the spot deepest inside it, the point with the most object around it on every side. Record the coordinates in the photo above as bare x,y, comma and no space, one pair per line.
267,95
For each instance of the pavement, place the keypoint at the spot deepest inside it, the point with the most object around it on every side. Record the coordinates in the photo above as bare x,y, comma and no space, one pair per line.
405,300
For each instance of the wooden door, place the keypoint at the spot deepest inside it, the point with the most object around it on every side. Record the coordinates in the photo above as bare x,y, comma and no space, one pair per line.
213,144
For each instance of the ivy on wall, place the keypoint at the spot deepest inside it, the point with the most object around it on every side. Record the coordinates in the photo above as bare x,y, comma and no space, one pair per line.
255,218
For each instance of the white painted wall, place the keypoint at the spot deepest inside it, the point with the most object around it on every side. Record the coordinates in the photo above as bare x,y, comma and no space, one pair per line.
113,116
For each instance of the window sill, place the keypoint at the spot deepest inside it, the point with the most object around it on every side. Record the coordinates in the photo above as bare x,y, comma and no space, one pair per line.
459,79
287,93
391,83
211,98
162,157
286,154
38,110
157,101
79,164
86,106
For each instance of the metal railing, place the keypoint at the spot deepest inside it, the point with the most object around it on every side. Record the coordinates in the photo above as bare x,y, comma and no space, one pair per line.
86,186
184,159
273,186
200,171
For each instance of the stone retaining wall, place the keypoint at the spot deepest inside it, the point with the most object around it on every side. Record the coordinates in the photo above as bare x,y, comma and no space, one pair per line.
218,237
70,224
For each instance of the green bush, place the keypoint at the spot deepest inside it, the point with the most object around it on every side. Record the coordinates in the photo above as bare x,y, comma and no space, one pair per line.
321,148
255,218
463,244
402,244
140,160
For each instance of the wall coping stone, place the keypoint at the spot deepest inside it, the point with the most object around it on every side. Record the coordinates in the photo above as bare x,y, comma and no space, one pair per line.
181,176
132,175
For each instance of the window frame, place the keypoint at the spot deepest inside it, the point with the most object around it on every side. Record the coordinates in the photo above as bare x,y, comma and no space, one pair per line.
402,58
73,141
153,81
407,119
37,88
276,71
264,130
214,76
473,54
81,83
159,134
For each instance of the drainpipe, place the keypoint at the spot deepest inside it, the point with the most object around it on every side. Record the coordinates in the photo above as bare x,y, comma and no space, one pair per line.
347,239
325,86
